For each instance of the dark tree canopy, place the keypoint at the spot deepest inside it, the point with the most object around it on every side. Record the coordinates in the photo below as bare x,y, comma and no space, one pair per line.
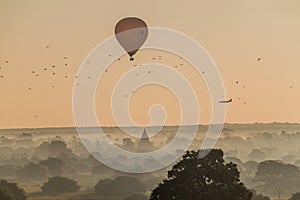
128,144
6,195
57,147
207,178
55,166
32,171
58,185
295,196
11,191
278,178
7,171
121,186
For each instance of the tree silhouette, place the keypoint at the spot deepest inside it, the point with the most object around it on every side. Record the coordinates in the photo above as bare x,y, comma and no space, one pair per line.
32,171
295,196
55,166
6,195
277,177
128,144
121,186
7,171
11,191
207,178
58,185
42,151
57,147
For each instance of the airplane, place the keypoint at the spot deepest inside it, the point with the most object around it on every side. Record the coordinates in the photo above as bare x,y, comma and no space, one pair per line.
226,101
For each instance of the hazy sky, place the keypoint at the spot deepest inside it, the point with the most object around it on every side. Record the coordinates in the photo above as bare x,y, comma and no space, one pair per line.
235,33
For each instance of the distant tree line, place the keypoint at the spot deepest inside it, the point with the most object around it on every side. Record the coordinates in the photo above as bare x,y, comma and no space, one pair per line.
192,177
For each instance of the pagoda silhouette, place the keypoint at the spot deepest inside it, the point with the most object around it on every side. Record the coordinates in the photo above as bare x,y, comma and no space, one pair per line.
144,145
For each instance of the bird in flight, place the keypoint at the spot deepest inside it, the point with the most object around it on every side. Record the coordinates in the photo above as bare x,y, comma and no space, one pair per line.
226,101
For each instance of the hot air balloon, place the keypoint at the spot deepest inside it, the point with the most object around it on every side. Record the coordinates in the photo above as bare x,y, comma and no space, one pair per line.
131,33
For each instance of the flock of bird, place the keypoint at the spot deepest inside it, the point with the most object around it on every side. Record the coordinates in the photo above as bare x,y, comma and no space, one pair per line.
35,73
53,67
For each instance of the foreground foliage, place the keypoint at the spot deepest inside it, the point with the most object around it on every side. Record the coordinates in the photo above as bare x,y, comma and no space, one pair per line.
207,178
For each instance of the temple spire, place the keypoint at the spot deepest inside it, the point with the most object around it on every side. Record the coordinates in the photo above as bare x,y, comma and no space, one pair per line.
144,145
144,135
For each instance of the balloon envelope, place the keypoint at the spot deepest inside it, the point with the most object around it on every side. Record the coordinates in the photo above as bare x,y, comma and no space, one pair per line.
131,33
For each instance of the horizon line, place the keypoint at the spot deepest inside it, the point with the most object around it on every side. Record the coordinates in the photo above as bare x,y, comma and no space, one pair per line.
69,127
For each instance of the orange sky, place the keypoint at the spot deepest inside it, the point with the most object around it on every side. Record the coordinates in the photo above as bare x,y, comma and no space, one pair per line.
234,32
